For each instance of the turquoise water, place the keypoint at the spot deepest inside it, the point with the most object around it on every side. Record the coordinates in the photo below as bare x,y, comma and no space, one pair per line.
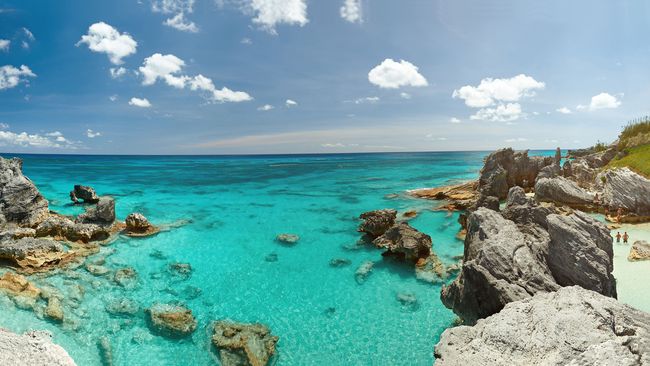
232,209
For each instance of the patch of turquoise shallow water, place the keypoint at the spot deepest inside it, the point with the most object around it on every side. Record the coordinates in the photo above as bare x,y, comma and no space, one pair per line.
234,207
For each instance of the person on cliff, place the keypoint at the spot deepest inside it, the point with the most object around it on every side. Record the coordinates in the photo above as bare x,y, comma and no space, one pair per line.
618,237
625,238
619,214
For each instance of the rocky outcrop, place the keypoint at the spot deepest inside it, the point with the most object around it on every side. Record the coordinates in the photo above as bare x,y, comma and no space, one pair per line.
405,242
375,223
34,348
506,168
138,225
287,238
32,254
17,285
101,214
63,228
460,196
572,326
562,190
580,253
171,320
243,344
625,189
20,201
640,251
84,193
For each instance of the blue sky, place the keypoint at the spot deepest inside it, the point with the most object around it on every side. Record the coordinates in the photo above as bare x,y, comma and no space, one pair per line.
215,76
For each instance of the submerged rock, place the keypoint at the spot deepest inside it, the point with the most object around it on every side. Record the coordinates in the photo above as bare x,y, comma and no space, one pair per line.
103,213
122,307
182,270
408,300
375,223
20,201
243,344
572,326
287,238
54,309
430,269
16,285
340,262
405,242
640,251
105,352
171,320
126,277
363,271
273,257
34,348
138,225
84,193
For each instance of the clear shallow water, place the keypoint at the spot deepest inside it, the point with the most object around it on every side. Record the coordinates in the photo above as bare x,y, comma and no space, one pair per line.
235,207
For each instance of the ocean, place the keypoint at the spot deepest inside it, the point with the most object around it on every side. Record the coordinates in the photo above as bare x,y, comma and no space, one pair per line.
226,212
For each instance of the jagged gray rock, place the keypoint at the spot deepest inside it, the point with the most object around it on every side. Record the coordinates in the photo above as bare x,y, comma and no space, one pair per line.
102,214
623,188
375,223
84,193
572,326
580,253
562,190
31,253
20,200
33,348
242,344
62,227
405,241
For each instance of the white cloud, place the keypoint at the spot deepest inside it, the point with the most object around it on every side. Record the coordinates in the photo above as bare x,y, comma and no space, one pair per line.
28,37
270,13
491,91
180,23
104,38
290,103
113,97
163,67
222,95
335,145
351,11
138,102
117,72
246,41
23,139
10,76
391,74
4,44
4,126
564,110
518,139
371,100
454,120
266,107
92,134
405,95
172,6
603,101
501,113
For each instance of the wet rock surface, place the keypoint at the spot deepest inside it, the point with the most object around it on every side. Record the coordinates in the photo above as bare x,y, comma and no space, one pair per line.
242,344
171,320
572,326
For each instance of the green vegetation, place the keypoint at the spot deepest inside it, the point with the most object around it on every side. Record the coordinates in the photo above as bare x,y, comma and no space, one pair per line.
637,159
635,133
600,146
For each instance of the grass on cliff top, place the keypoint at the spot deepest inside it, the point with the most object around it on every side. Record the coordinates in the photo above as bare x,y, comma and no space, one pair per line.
636,133
637,159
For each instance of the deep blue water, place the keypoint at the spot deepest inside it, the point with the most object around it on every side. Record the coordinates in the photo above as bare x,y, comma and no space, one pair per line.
232,209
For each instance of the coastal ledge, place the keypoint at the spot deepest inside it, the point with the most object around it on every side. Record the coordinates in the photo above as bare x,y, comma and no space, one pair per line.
34,348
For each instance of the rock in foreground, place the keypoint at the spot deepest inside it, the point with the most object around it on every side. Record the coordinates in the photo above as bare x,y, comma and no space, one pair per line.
20,201
34,254
171,320
33,348
243,344
101,214
572,326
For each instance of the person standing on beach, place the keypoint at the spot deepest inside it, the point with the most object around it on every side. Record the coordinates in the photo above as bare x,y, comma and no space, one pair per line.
618,237
625,237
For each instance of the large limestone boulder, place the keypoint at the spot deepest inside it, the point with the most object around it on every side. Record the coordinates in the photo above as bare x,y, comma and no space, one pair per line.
102,214
580,253
61,227
640,251
572,326
32,254
33,348
562,190
506,168
623,188
20,201
499,266
243,344
405,241
375,223
84,193
171,320
138,225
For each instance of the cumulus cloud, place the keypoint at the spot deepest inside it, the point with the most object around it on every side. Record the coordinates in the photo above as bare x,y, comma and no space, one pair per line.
104,38
4,126
179,8
501,113
11,76
564,110
604,101
270,13
140,102
117,72
266,107
351,11
4,44
54,140
181,23
92,134
290,103
492,91
391,74
222,95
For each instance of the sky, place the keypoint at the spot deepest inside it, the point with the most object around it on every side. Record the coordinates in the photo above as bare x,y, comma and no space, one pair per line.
318,76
